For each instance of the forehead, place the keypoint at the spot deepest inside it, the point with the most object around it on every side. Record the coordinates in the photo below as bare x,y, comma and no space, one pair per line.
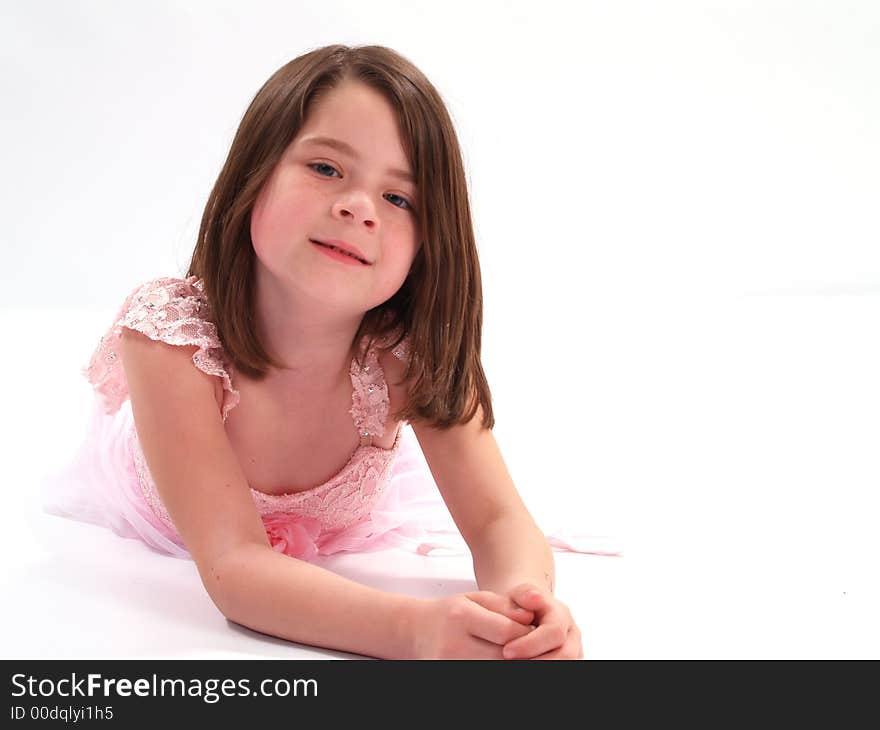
357,121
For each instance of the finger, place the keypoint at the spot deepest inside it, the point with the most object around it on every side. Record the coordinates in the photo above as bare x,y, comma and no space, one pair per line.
564,653
484,623
546,637
571,650
473,647
482,649
503,605
531,598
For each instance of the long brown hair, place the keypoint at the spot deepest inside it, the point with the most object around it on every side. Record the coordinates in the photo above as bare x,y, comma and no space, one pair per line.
439,307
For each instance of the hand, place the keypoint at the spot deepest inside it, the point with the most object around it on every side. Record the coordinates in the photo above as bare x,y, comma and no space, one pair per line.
468,626
556,636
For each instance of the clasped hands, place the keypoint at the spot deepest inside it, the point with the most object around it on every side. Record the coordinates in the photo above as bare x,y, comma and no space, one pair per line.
525,623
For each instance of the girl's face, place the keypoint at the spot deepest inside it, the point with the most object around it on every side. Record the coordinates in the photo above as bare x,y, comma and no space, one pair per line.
351,187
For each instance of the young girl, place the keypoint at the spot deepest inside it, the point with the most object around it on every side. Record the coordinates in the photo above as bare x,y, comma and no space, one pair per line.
331,315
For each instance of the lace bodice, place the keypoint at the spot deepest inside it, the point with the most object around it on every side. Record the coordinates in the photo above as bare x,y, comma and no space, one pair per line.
176,311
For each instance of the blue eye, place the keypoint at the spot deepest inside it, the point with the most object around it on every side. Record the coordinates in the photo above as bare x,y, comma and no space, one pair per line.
322,164
408,204
315,165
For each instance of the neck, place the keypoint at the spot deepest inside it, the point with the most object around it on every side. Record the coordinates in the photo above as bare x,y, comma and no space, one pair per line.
311,340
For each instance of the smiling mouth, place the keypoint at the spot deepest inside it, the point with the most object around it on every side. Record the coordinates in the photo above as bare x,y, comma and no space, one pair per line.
342,251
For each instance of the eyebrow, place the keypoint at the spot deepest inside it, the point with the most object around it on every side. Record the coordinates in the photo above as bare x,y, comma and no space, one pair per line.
338,144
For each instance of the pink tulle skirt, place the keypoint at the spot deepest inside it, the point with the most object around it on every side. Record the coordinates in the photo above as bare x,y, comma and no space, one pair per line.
100,486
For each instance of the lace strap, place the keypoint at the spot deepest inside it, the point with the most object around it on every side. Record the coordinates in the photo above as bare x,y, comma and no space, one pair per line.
175,311
370,400
401,352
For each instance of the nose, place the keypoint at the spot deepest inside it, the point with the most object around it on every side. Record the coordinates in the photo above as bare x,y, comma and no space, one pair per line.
358,207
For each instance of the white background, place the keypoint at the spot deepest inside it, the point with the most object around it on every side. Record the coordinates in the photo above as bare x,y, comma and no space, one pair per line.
676,212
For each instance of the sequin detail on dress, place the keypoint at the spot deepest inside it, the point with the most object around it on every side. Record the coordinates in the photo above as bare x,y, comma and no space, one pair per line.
369,399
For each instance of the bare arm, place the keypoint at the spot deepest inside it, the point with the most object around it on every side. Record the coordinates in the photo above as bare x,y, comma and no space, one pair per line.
274,594
511,555
511,551
200,481
507,545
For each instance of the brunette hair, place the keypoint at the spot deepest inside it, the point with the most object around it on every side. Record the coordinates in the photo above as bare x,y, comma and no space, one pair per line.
439,307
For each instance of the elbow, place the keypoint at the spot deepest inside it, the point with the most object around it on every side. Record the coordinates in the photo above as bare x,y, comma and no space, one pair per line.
217,582
223,576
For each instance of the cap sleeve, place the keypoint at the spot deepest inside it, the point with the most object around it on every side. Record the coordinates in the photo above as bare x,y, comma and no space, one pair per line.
174,311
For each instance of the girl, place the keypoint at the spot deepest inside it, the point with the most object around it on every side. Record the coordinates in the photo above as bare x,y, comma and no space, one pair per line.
331,315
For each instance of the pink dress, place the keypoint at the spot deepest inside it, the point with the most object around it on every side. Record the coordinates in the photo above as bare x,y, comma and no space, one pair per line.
381,498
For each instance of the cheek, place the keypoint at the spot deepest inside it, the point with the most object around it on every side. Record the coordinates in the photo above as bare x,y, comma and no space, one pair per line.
405,235
396,272
276,217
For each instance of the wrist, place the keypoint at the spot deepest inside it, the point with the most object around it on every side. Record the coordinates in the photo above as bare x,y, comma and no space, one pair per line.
407,620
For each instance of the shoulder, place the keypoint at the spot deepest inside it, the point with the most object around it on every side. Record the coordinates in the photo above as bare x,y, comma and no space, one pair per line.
393,367
159,303
166,311
166,288
167,361
394,364
394,360
175,311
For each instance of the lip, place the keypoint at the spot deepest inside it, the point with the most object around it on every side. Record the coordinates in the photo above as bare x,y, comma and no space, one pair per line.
354,250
